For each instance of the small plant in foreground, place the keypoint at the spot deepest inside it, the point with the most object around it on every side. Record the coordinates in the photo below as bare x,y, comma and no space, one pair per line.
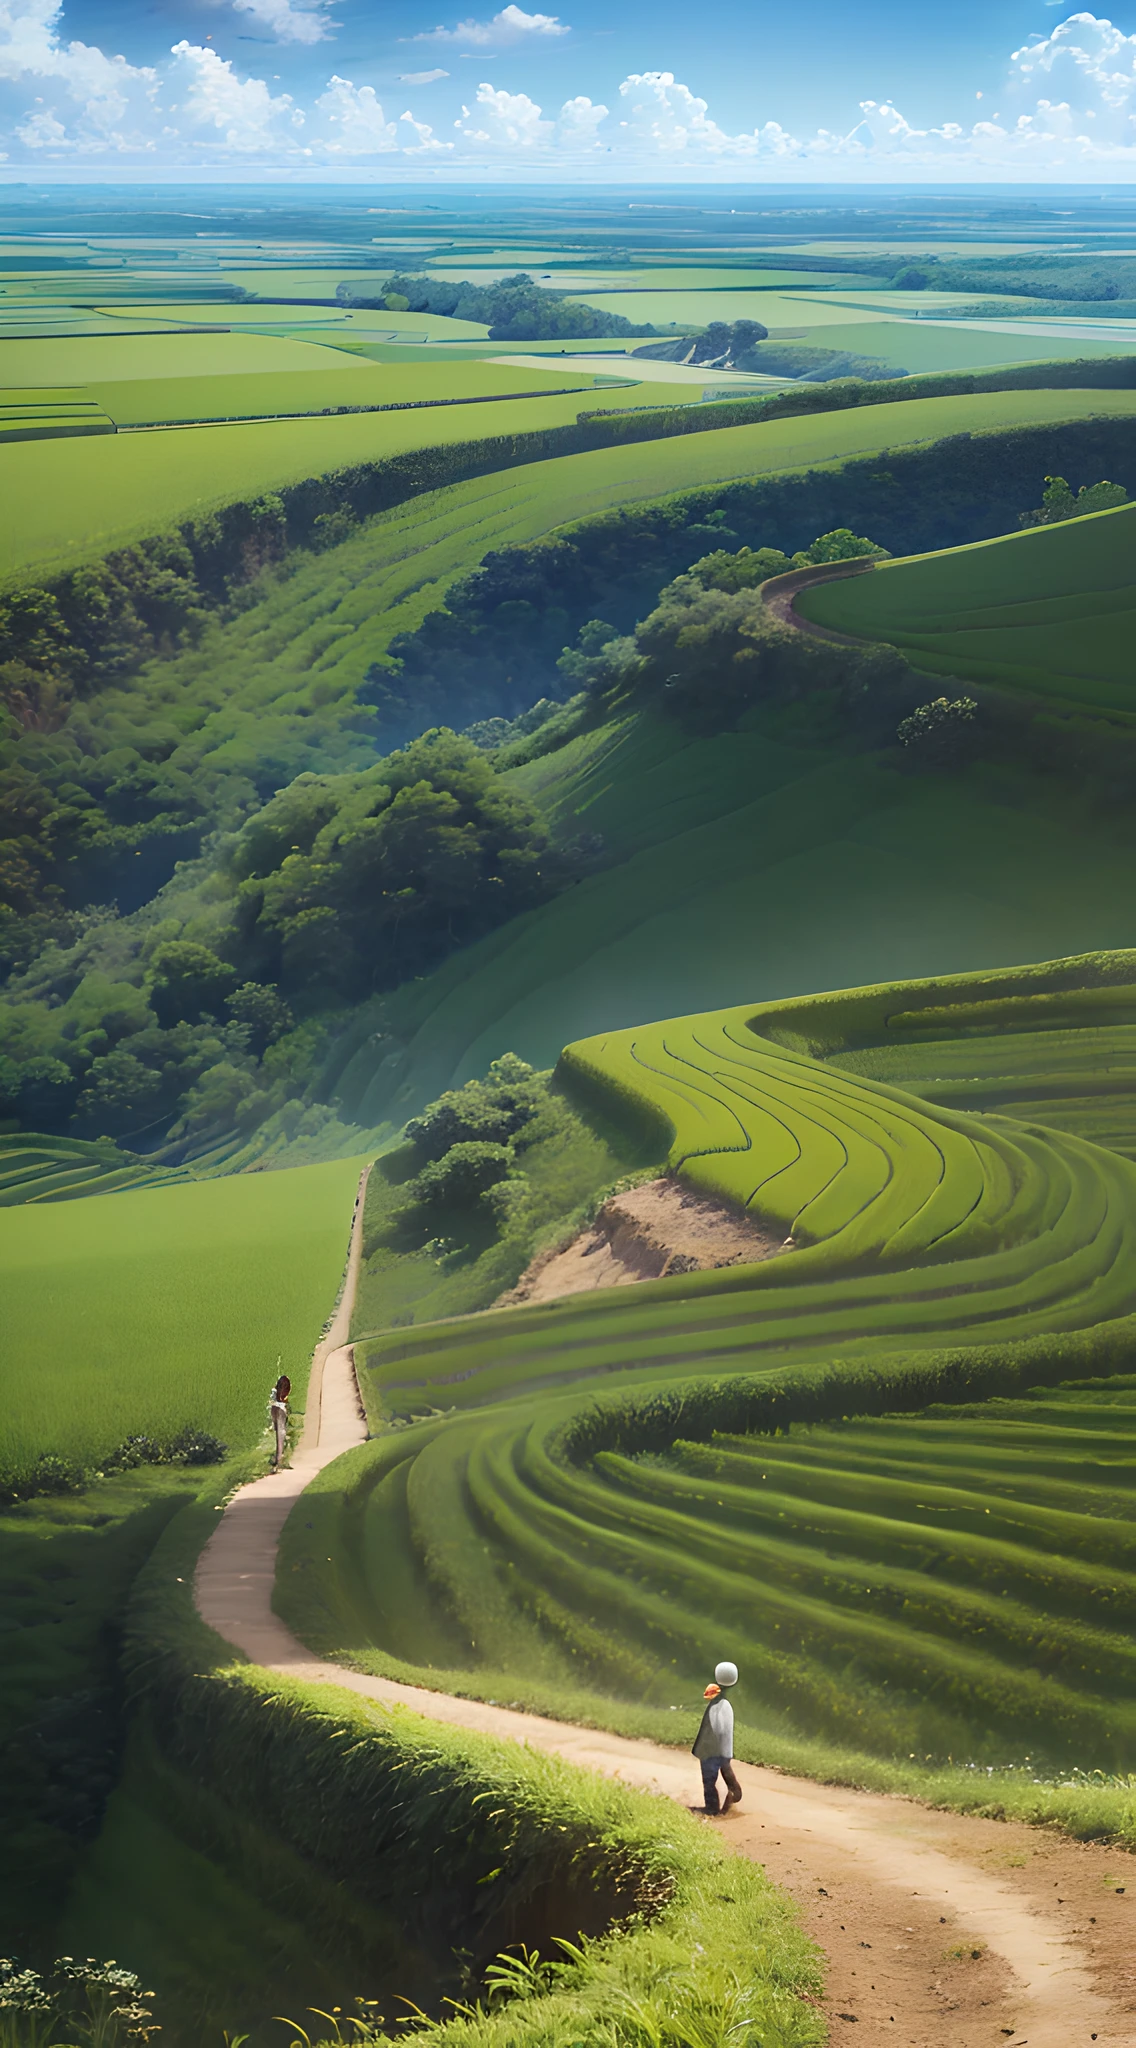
84,2004
364,2022
52,1474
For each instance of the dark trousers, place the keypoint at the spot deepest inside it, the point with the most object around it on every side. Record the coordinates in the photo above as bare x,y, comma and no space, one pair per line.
711,1765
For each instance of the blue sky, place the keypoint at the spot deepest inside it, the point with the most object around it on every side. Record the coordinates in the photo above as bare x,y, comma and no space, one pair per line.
1019,90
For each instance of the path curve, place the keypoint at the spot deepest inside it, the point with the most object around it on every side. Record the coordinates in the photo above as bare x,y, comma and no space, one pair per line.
942,1930
780,593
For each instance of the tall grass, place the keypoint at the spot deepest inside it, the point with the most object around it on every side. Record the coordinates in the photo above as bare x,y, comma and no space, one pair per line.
142,1311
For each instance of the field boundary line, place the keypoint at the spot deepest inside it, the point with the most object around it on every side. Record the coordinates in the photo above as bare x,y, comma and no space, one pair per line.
325,412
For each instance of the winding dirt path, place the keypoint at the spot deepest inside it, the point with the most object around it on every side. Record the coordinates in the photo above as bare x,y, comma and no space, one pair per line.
942,1931
780,594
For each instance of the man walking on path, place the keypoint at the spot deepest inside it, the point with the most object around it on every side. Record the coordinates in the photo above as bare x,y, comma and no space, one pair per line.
714,1742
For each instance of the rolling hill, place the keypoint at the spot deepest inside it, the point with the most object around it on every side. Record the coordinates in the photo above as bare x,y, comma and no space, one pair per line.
1049,610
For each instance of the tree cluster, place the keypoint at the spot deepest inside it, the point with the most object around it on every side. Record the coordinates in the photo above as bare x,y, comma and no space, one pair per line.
347,884
711,649
1059,502
175,1034
461,1163
744,345
513,309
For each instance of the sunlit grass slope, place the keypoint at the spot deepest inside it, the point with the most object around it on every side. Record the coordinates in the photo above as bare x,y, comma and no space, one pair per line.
1050,610
570,1503
70,499
746,865
142,1311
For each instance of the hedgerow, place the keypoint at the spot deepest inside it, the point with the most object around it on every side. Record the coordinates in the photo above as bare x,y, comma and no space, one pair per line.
467,1845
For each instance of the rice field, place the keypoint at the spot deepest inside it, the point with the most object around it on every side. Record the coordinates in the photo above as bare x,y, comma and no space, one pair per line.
145,1310
574,1502
1049,610
39,1169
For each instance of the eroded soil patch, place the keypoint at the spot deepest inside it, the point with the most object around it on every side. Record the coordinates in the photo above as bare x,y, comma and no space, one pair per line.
651,1231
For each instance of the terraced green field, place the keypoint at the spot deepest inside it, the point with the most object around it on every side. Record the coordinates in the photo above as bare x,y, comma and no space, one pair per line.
1049,610
587,1498
145,1310
35,1169
43,415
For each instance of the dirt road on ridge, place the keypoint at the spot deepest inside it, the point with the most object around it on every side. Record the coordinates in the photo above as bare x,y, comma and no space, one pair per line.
942,1931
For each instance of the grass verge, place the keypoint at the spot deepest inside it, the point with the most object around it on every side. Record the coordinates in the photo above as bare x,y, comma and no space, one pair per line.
438,1849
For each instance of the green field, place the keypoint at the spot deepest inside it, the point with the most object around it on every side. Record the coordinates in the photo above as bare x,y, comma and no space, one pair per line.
101,359
923,345
1049,610
143,1311
39,414
341,380
70,500
583,1499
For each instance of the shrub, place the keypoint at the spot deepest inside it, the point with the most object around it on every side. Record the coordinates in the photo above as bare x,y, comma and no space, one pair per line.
490,1111
1058,501
52,1474
940,734
465,1172
87,2004
841,545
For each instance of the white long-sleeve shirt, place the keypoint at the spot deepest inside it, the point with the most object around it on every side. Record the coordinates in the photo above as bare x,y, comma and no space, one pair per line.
716,1735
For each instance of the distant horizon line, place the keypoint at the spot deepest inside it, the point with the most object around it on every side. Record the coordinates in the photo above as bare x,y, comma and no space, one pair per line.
269,179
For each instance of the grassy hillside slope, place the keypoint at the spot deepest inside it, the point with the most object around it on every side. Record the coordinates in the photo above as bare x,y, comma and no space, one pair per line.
558,1511
78,498
1050,610
751,862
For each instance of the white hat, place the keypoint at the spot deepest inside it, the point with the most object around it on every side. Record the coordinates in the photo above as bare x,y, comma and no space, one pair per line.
726,1674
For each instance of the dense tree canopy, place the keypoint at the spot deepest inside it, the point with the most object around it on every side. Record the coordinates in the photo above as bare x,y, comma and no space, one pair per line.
513,309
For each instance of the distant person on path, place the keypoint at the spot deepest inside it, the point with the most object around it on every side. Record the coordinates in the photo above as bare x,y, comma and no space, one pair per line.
278,1416
714,1742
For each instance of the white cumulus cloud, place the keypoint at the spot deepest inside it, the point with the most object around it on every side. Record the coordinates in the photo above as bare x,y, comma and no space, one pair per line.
510,124
105,103
1068,102
289,24
240,113
425,141
668,118
509,119
355,120
512,25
